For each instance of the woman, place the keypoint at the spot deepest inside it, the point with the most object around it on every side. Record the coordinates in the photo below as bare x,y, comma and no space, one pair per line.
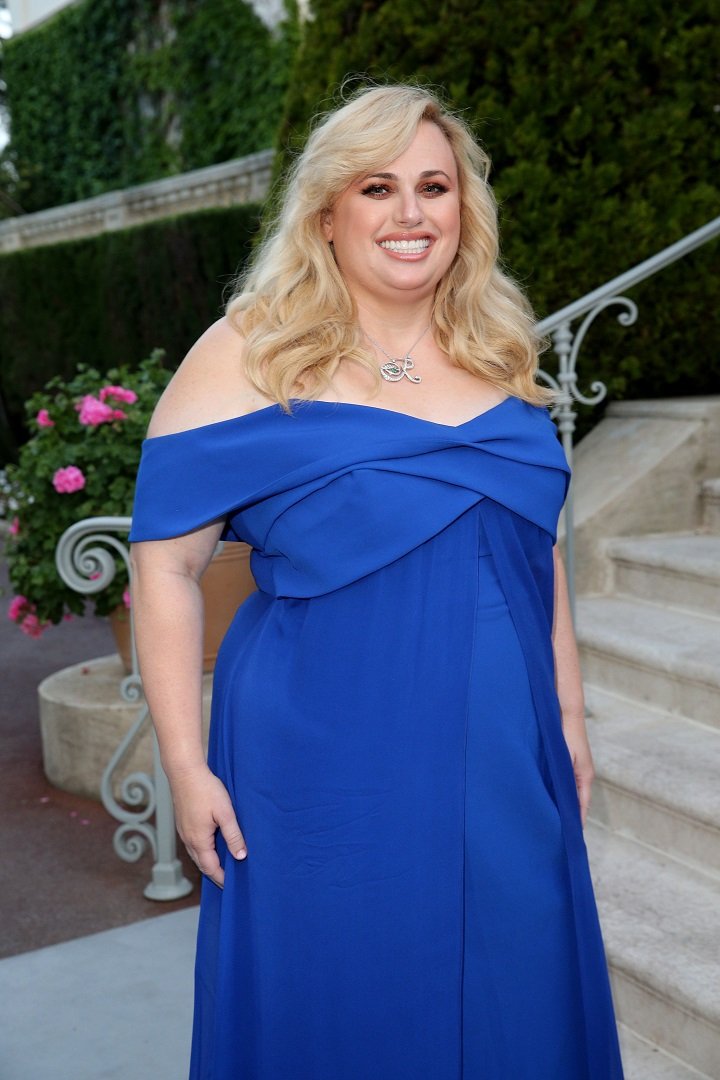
390,818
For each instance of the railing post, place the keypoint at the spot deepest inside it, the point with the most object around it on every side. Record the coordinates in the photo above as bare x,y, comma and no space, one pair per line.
168,881
565,418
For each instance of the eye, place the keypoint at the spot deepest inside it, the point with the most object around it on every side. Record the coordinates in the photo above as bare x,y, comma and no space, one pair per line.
375,190
434,187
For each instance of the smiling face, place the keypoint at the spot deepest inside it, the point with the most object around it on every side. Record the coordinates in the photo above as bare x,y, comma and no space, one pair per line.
396,232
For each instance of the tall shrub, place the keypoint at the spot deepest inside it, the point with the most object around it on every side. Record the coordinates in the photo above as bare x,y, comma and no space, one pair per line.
602,119
107,94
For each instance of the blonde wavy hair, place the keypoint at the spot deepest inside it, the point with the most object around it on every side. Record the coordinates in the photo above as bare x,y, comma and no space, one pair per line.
292,305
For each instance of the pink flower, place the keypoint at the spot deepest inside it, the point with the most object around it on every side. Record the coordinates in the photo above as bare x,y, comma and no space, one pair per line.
43,419
67,616
119,393
18,606
69,479
126,597
32,626
14,526
94,412
22,611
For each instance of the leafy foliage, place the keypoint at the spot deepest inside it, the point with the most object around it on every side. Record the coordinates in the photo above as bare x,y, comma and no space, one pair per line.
603,123
134,91
113,296
106,453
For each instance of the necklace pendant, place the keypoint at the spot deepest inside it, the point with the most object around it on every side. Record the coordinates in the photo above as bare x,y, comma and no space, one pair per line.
396,369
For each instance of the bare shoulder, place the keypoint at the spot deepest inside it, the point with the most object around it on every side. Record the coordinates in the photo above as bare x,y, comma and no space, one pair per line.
209,385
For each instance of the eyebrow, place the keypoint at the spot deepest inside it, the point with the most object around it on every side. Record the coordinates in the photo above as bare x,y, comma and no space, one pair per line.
393,176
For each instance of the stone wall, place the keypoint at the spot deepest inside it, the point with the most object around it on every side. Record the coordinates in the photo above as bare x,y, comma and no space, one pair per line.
243,180
28,13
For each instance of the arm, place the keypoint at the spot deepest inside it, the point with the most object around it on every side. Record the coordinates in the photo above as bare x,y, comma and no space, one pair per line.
167,614
568,681
167,607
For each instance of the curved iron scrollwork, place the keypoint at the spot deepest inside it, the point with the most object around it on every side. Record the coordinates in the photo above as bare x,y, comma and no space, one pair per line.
85,557
566,346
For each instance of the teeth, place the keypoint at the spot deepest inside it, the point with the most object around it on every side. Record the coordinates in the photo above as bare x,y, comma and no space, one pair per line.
405,245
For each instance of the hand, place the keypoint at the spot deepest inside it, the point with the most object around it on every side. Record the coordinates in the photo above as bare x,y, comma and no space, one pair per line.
202,805
582,761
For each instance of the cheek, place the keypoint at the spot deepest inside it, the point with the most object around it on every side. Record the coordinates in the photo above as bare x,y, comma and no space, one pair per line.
359,221
353,238
452,220
452,228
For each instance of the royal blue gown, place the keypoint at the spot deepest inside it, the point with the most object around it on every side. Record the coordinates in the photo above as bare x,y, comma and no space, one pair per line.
416,902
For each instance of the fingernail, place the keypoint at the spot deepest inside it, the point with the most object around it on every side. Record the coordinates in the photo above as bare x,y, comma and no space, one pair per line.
241,853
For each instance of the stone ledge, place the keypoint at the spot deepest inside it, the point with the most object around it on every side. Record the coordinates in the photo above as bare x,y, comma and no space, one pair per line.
683,644
640,471
700,407
660,923
82,721
231,183
656,778
668,760
643,1060
680,570
695,555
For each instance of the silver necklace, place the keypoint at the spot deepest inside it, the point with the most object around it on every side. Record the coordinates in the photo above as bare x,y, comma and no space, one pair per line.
398,367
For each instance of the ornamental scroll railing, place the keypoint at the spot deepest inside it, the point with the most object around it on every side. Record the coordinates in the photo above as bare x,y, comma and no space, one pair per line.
566,345
86,562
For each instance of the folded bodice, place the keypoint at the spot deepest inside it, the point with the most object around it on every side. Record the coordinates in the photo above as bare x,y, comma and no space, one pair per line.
334,491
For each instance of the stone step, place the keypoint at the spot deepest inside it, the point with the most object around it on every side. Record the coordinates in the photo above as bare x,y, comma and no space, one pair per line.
656,778
661,926
645,1061
682,570
652,654
711,504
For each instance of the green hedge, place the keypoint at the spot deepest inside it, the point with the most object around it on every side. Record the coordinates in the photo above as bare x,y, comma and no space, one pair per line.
108,94
602,120
111,299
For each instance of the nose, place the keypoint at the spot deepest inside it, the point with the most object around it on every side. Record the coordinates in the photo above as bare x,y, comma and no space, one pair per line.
409,211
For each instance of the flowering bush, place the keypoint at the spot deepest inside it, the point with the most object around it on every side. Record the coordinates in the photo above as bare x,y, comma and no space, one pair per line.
80,461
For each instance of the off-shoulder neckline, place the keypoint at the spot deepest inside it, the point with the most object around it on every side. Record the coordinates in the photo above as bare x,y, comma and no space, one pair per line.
304,402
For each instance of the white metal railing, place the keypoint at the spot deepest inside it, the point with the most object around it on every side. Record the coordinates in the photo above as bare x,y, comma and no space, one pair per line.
566,346
86,549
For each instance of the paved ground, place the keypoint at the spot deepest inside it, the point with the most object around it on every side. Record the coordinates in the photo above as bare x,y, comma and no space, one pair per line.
113,1006
59,875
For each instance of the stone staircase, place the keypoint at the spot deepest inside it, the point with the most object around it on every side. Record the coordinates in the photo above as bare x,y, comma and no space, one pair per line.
650,650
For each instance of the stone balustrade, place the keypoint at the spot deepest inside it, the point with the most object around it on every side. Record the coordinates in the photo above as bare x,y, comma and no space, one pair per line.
242,180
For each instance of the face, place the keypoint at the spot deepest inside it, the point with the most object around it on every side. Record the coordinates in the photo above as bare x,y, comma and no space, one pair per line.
396,232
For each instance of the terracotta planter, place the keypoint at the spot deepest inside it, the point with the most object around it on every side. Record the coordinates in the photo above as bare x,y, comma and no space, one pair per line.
225,584
120,626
